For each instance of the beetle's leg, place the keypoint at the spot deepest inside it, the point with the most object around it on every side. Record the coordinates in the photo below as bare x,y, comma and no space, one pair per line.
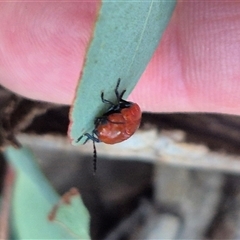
116,89
105,100
119,97
89,137
79,139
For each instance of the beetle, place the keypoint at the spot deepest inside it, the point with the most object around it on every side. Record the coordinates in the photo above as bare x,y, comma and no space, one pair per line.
117,124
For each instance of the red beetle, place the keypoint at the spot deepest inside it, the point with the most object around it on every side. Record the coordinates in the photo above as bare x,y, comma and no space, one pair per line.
119,123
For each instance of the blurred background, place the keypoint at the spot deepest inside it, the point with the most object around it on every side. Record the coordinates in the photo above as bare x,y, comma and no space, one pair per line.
178,177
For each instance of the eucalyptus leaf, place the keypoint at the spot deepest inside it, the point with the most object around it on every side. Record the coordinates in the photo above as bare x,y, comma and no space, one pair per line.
125,37
33,200
67,213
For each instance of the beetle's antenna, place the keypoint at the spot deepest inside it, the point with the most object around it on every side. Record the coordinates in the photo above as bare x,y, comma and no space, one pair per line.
94,158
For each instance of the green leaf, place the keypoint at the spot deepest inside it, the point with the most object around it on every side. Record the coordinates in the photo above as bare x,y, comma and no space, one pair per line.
125,37
67,213
33,200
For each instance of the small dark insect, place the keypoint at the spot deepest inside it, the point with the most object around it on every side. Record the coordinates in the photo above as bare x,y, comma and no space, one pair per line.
119,123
